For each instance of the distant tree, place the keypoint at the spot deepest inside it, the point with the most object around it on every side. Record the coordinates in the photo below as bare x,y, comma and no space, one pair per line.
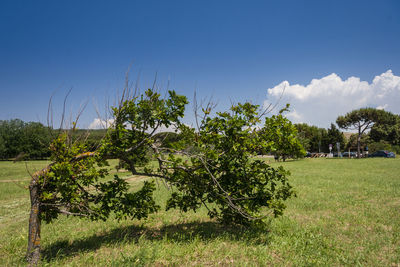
319,142
333,136
2,148
304,134
36,140
352,143
387,129
360,120
382,145
312,138
12,133
20,138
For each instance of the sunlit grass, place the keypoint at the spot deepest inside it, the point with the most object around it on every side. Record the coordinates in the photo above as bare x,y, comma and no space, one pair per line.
347,212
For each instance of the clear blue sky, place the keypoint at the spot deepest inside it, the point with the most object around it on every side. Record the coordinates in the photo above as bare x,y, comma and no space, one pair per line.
230,50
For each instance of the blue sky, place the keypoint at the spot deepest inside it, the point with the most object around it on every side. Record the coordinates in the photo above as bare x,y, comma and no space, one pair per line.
227,50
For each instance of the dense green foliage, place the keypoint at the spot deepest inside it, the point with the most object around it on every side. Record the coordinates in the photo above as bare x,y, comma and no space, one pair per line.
31,140
384,129
67,187
316,139
334,136
136,121
385,134
217,171
351,143
222,174
23,140
361,120
281,137
73,184
310,136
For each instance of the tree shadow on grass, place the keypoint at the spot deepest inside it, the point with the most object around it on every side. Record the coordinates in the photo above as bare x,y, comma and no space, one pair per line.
178,233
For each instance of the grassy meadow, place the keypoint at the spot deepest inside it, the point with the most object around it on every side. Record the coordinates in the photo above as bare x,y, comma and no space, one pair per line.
346,213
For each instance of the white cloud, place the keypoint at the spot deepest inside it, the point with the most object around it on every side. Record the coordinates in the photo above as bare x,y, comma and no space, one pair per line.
98,123
322,100
382,107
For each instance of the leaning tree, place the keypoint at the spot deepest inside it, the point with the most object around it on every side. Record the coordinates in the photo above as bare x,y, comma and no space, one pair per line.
219,172
360,120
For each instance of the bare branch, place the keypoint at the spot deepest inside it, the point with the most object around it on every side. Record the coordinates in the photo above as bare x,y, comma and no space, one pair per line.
268,109
64,105
50,114
154,82
137,84
78,115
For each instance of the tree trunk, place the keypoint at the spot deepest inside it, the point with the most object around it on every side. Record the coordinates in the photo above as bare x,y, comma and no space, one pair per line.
359,144
33,252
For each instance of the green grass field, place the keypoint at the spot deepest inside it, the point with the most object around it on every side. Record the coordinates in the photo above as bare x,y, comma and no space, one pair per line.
347,213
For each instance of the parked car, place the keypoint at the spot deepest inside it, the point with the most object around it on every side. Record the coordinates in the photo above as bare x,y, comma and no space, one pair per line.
349,154
383,154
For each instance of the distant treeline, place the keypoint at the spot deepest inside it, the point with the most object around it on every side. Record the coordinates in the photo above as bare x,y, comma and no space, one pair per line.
316,139
21,140
31,140
382,136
